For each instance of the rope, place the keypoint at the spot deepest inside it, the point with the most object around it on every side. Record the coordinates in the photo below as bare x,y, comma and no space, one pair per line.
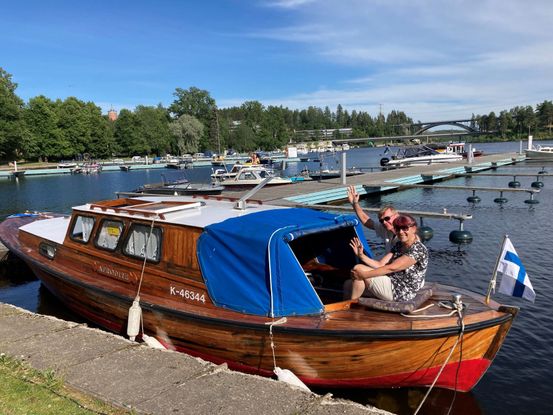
271,324
137,297
458,308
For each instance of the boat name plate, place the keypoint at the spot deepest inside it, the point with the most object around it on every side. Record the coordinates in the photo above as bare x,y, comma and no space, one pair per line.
117,274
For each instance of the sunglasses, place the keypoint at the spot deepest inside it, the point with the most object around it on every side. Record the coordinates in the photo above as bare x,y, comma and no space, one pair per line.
403,228
385,219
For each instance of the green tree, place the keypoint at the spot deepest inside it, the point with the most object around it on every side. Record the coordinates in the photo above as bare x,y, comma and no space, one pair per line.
545,115
102,142
153,129
126,134
192,101
13,135
48,141
187,131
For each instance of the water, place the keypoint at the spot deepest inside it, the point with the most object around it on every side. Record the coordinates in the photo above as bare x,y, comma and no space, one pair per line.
518,381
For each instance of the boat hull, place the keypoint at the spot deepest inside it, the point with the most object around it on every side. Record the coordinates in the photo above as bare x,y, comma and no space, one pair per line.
539,154
319,358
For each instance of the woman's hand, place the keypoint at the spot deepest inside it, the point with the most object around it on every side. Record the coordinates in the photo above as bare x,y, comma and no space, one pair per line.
357,247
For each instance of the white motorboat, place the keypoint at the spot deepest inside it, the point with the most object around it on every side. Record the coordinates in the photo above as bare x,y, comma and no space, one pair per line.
540,153
418,156
247,176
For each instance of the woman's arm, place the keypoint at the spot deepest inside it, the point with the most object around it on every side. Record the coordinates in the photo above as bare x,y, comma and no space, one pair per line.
361,272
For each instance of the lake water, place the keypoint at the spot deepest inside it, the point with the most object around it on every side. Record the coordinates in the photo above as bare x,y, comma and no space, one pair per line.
519,380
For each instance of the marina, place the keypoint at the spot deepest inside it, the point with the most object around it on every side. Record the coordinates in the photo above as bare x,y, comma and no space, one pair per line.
466,264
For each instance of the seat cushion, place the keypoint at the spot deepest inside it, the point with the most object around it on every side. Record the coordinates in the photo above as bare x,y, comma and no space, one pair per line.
398,306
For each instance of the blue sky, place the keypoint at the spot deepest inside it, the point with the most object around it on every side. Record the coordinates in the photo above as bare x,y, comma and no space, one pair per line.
433,59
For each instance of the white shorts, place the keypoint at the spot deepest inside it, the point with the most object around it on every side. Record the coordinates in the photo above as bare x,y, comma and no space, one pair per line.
380,287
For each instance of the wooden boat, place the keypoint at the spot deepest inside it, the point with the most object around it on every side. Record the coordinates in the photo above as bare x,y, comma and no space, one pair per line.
224,282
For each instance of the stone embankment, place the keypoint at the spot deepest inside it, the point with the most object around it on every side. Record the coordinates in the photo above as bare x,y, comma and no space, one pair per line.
151,381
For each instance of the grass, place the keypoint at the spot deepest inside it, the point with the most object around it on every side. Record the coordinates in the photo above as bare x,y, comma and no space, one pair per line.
24,390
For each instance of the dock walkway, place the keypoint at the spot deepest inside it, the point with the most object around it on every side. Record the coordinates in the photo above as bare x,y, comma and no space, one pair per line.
332,190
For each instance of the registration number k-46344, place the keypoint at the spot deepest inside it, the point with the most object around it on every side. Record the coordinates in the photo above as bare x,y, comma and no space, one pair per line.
187,294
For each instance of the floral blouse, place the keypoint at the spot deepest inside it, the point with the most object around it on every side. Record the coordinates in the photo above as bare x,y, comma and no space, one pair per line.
406,283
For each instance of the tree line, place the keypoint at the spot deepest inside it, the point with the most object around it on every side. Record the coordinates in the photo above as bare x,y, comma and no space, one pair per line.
46,129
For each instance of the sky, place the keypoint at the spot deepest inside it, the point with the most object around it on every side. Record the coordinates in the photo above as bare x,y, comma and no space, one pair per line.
433,59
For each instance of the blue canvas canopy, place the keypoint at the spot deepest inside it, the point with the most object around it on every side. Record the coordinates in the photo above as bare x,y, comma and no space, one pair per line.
248,265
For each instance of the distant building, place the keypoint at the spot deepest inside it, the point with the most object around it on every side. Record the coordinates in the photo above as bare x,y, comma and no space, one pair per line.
112,115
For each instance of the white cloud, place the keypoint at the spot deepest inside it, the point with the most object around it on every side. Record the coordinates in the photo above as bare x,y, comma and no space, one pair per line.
428,58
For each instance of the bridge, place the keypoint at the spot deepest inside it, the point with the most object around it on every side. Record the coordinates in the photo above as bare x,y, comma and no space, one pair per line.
423,127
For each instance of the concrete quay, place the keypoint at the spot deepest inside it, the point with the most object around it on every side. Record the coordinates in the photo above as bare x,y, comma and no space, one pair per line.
150,381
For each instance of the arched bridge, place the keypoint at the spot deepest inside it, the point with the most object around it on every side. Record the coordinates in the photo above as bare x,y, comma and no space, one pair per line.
457,123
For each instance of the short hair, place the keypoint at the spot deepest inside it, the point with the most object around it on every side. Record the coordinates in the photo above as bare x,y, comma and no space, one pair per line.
405,220
385,208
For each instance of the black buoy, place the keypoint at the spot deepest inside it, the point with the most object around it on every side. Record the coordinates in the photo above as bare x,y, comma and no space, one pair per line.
460,236
500,199
531,201
514,182
473,198
425,232
537,184
384,161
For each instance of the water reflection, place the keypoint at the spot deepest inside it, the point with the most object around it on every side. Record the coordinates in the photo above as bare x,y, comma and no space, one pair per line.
405,401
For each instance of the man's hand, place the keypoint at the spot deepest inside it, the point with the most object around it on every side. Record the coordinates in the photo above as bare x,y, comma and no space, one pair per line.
353,196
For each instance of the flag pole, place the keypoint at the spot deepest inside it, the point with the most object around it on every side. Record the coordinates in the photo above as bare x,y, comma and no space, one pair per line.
491,285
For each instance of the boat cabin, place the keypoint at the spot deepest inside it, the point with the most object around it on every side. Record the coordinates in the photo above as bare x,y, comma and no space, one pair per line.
301,254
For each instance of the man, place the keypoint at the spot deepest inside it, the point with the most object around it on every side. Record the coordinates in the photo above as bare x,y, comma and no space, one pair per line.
384,227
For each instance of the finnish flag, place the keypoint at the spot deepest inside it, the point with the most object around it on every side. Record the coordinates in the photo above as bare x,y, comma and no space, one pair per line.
515,280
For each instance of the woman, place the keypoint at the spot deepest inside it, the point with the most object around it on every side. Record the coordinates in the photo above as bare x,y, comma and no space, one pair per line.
400,273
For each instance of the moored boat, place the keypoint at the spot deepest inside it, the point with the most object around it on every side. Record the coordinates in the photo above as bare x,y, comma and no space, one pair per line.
418,156
225,284
247,176
540,153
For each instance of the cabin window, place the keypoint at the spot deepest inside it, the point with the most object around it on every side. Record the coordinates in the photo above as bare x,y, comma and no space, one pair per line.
82,229
109,234
144,240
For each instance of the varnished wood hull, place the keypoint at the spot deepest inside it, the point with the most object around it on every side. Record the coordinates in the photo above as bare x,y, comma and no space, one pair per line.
350,347
319,357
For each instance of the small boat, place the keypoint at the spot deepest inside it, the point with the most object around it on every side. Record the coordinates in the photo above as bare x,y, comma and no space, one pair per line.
179,164
125,167
418,156
540,153
67,165
248,176
332,173
91,168
257,287
180,189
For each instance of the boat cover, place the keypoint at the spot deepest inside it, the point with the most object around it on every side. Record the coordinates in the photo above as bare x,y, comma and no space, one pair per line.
248,265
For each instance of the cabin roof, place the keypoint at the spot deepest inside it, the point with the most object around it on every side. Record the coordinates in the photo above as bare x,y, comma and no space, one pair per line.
180,210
